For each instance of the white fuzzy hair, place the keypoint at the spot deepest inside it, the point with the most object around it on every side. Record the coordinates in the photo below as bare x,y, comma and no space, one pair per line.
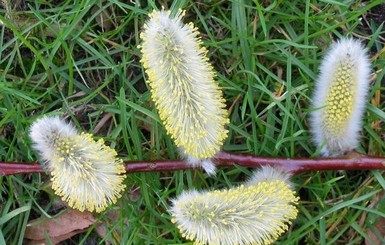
342,54
269,173
44,132
206,163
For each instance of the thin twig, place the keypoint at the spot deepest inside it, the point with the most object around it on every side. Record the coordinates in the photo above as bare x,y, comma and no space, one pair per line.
225,159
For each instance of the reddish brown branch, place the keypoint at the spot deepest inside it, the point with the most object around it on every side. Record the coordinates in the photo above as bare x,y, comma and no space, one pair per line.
224,159
9,168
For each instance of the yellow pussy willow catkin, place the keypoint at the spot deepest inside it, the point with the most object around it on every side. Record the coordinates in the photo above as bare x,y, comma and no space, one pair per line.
85,173
339,97
189,101
255,214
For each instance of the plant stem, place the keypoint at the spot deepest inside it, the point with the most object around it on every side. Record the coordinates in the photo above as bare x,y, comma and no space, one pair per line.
225,159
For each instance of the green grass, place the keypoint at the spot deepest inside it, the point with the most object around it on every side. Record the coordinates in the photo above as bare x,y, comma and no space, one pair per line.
57,58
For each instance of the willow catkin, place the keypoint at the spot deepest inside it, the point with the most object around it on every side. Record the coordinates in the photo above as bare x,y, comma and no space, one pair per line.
339,98
256,213
85,173
189,101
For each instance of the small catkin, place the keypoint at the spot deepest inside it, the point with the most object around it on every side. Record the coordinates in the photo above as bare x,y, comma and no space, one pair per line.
339,98
85,173
189,101
256,213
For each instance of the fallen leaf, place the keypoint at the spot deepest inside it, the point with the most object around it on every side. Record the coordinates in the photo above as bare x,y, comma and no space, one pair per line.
59,228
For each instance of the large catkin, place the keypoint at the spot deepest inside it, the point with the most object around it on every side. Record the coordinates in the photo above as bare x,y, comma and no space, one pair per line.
339,98
85,173
255,213
188,99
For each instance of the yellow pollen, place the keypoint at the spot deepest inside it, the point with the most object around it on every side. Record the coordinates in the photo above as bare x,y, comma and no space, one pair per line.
340,100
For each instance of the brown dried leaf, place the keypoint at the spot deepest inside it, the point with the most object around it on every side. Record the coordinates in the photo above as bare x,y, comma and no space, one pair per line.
60,228
54,240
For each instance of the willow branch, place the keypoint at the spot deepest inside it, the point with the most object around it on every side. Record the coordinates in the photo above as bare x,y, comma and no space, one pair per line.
225,159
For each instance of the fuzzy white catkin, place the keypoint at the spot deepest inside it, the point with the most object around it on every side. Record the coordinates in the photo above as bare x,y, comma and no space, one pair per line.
256,213
268,173
85,173
339,98
189,101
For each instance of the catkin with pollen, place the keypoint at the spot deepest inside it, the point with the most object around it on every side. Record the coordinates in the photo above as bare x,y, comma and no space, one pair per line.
255,213
189,101
339,98
85,173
